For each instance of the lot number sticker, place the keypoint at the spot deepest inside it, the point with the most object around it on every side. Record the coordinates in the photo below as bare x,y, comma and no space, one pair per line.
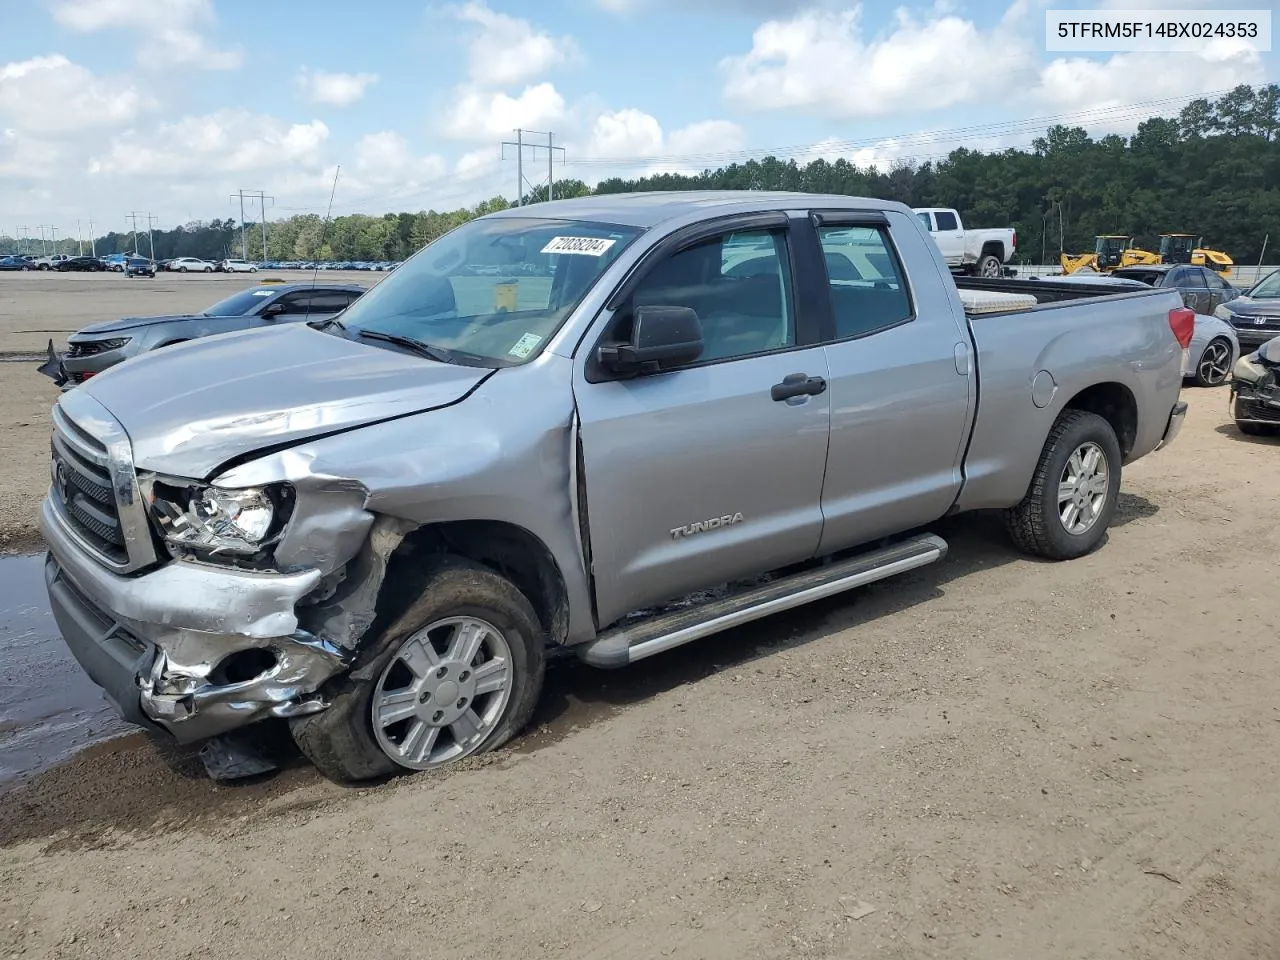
583,246
524,346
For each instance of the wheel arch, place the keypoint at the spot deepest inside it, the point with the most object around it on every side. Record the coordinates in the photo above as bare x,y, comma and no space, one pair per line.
992,248
1116,404
506,548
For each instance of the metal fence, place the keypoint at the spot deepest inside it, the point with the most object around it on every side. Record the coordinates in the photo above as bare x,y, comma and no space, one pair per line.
1241,276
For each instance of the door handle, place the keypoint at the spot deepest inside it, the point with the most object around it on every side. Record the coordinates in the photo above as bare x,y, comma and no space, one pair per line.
797,385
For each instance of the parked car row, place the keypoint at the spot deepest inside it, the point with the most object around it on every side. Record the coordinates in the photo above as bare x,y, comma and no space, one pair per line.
376,265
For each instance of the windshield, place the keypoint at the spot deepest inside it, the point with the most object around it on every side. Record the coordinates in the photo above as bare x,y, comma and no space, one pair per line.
1110,245
495,288
1268,288
240,304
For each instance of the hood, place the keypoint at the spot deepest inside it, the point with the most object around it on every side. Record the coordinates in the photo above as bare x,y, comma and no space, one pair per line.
191,407
94,330
1249,307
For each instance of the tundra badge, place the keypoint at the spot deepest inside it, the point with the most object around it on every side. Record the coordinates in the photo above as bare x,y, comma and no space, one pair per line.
702,526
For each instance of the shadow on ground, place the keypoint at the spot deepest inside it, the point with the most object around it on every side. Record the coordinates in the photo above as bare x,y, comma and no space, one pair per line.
1232,431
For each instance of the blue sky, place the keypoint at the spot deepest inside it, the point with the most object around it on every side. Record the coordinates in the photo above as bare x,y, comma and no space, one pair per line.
167,106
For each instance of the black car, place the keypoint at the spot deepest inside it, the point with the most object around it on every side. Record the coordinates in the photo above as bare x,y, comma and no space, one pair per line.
1202,290
139,267
1255,313
83,264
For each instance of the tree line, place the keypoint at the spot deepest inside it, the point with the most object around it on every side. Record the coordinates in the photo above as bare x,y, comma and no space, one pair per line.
1212,170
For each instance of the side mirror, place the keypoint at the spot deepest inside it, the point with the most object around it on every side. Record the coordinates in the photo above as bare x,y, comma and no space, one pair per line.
661,337
271,311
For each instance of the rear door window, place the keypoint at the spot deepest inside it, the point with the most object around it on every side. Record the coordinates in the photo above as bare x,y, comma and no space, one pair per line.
866,281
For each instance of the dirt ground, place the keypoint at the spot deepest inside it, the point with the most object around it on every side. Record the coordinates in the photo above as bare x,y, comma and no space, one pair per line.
37,307
992,757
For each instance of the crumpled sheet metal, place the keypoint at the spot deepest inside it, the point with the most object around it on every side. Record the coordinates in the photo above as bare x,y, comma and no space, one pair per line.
178,694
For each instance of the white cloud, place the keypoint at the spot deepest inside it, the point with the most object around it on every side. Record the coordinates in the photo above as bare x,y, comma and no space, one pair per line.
480,115
336,89
1067,83
637,141
386,158
51,96
820,60
227,141
170,30
508,51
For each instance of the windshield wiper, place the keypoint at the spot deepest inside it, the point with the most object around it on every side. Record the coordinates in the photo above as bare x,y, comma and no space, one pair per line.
326,323
417,346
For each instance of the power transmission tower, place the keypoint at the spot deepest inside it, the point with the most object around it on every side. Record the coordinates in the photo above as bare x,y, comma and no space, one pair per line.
150,239
521,145
133,219
244,242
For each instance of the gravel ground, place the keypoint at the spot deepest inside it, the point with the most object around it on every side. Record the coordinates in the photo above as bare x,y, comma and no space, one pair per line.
992,757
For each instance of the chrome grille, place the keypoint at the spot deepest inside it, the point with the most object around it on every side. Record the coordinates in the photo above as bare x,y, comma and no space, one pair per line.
82,487
94,490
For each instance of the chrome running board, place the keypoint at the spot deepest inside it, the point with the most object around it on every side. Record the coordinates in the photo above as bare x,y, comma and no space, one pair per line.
627,644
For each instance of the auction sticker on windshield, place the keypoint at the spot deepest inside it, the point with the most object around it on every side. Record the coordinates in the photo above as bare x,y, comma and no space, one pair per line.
584,246
524,346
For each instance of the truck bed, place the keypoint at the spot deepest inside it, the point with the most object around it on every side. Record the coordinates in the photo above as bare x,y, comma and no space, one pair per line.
1114,342
1047,292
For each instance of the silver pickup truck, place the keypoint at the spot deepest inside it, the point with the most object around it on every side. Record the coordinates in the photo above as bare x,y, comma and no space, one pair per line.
615,423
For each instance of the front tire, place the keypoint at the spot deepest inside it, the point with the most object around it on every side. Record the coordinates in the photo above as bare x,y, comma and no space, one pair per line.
1073,492
182,269
458,673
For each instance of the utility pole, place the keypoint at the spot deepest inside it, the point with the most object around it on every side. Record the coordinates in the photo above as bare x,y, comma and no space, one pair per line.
93,243
151,242
133,219
79,239
25,231
520,145
53,237
244,243
262,204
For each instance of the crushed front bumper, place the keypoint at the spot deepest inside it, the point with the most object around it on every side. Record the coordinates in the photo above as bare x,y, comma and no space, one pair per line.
1252,403
193,649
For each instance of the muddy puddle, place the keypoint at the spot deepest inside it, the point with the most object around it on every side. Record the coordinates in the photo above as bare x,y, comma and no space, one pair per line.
49,709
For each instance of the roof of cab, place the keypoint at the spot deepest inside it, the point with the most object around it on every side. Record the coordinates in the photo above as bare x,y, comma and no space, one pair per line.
651,208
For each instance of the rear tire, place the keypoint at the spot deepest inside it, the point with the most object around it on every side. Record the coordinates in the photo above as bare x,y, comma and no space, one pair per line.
342,742
1077,479
989,266
182,269
1214,365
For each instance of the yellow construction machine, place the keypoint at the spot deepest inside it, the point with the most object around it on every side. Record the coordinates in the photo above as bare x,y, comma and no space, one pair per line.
1186,248
1110,252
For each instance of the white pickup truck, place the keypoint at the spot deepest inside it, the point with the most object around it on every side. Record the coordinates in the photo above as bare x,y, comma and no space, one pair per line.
981,252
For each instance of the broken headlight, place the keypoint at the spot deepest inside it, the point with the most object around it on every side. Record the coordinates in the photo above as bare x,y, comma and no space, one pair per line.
213,520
